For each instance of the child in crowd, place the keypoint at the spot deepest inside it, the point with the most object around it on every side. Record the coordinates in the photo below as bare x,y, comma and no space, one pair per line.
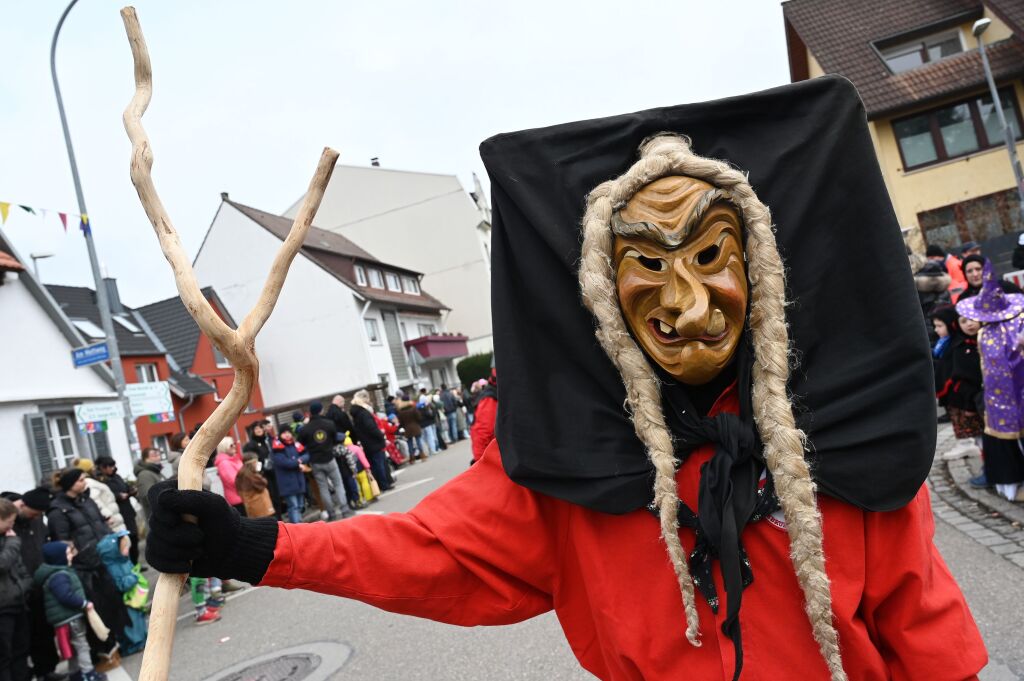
113,550
368,488
963,390
290,467
252,487
66,605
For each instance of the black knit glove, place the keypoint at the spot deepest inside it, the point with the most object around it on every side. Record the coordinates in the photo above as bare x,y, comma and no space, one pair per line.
220,543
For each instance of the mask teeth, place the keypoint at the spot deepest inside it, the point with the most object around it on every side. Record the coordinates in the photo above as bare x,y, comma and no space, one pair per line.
717,323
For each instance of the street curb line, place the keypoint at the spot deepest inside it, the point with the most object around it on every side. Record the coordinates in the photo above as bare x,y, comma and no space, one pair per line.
960,473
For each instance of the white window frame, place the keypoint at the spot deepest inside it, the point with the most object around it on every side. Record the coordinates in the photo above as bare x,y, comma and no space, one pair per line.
410,285
162,443
426,329
376,278
904,48
56,438
360,275
393,281
373,332
219,359
147,372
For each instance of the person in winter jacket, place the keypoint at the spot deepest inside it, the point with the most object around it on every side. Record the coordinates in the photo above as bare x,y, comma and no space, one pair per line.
974,267
371,439
178,443
74,518
450,405
319,436
114,550
102,495
1017,259
148,471
228,463
252,487
932,282
336,414
31,530
15,587
66,605
261,441
409,419
291,464
482,431
106,472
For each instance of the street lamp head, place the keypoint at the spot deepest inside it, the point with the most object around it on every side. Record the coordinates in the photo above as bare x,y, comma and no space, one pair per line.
980,26
41,255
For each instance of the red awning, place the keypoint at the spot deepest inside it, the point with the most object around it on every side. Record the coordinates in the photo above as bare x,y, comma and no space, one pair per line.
439,346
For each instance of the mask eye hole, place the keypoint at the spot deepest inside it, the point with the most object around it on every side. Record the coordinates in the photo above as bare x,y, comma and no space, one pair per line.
708,255
652,264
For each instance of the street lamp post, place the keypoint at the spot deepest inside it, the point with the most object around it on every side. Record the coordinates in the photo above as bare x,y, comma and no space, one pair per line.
102,299
36,257
1011,144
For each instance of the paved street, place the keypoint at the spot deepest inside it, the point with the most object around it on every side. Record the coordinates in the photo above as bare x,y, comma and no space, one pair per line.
334,638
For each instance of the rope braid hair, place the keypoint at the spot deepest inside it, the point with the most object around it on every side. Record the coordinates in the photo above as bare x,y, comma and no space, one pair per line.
660,156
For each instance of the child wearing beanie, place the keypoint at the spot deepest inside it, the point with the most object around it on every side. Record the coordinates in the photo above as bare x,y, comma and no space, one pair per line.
66,606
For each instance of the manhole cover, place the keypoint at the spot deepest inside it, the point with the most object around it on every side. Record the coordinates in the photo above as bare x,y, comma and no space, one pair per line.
316,661
294,667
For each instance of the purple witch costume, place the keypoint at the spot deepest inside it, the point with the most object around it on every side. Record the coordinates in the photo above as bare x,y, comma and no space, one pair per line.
1002,363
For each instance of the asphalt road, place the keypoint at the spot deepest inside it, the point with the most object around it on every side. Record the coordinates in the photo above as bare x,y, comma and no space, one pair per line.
315,637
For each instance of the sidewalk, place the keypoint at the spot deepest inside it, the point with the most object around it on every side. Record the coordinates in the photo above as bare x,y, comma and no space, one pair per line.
962,470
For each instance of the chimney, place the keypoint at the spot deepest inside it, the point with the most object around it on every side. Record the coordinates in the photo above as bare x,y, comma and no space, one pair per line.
223,196
113,298
375,162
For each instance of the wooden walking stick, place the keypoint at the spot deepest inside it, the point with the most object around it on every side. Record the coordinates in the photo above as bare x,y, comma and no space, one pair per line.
237,345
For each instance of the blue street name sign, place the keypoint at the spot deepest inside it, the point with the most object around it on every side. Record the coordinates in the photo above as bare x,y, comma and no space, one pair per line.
90,354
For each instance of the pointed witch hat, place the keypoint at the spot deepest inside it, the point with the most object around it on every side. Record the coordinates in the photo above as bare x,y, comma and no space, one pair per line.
992,304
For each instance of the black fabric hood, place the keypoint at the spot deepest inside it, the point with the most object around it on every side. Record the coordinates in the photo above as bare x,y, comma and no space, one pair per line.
863,377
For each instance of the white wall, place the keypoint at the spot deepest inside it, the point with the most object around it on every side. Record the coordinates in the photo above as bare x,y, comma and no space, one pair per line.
422,221
314,342
38,377
380,355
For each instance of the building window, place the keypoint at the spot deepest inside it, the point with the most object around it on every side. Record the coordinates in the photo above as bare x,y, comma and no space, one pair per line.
403,331
63,441
955,130
910,54
161,442
146,373
411,285
427,329
372,331
88,328
980,219
376,281
394,283
221,361
360,275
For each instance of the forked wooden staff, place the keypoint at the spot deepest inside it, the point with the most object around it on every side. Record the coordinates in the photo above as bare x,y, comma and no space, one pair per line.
237,345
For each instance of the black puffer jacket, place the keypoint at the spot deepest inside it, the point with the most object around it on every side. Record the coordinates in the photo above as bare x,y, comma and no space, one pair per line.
79,521
15,582
365,426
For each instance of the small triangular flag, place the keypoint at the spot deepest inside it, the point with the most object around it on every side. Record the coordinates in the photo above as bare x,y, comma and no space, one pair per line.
64,221
84,226
4,207
26,209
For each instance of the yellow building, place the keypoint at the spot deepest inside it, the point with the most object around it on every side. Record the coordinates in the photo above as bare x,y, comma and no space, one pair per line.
936,132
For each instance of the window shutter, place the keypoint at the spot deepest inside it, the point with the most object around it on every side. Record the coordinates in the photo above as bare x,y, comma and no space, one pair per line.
39,442
100,444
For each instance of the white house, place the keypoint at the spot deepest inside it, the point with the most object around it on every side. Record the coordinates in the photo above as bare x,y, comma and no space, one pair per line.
41,388
424,221
343,319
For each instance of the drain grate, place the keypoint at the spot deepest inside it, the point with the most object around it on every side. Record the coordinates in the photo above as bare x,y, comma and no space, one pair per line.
294,667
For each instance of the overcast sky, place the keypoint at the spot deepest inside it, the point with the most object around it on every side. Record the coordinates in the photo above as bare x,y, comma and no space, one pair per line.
246,94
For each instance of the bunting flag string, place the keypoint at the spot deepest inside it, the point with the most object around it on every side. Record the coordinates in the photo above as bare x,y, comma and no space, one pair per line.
84,225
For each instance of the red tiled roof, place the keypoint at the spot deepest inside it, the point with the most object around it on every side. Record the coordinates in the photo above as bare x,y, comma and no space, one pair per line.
841,36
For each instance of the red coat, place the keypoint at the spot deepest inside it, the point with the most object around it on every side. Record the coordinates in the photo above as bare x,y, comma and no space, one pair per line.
488,551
